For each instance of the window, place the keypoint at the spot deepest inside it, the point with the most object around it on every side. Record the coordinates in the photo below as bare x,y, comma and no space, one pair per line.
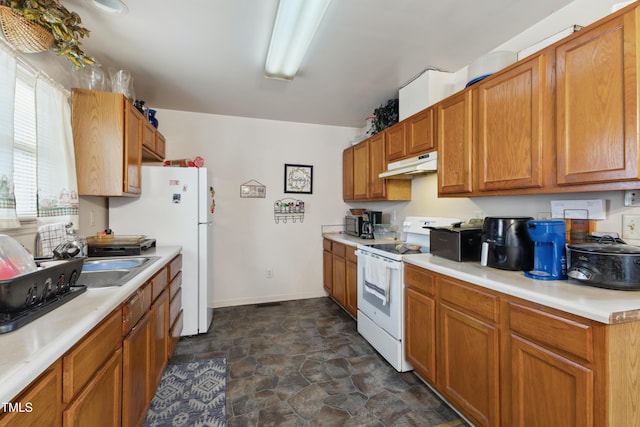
37,166
25,154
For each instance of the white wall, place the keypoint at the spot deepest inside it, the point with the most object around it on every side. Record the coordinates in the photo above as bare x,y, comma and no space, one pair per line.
248,242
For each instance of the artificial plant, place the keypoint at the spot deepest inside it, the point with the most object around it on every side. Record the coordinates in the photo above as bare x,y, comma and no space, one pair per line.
64,25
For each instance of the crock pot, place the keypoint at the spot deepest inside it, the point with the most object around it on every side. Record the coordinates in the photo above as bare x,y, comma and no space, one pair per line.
606,264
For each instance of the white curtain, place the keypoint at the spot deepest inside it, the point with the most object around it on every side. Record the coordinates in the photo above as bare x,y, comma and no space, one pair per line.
57,184
8,217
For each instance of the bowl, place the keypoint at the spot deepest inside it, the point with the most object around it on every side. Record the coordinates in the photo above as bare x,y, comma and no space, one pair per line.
357,212
384,232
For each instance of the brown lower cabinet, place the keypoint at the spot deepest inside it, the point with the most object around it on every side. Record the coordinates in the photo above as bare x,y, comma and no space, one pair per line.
137,375
503,361
340,274
110,376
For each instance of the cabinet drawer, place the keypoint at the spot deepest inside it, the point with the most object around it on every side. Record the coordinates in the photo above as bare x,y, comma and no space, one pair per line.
564,334
176,283
351,254
84,360
175,265
175,306
471,299
419,279
327,245
135,308
339,249
174,334
158,283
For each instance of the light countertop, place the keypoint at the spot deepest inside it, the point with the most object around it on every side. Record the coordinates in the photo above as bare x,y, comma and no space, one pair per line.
602,305
31,349
354,241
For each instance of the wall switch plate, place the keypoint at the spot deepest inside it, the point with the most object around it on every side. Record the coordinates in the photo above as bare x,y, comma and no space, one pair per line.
632,198
631,227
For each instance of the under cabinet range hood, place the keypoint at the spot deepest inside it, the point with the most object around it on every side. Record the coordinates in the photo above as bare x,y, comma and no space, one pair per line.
408,168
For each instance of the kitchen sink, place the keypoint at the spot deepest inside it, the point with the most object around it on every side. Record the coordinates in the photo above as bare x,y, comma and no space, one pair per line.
115,263
112,272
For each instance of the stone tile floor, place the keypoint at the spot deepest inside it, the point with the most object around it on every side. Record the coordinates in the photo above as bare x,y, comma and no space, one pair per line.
303,363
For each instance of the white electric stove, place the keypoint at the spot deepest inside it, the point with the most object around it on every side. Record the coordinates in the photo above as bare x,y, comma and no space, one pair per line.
381,287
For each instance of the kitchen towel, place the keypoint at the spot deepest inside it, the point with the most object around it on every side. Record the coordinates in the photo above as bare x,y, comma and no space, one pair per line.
51,235
376,278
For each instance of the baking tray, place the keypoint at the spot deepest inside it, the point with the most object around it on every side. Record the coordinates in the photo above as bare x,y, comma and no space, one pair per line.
52,279
115,241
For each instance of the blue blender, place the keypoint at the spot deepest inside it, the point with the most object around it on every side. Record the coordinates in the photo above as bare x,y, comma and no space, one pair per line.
549,253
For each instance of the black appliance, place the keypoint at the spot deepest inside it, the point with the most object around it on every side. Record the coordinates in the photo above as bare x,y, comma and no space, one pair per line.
506,243
456,243
371,218
607,263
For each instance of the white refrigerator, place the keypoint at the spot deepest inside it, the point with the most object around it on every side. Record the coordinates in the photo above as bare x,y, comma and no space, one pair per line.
175,208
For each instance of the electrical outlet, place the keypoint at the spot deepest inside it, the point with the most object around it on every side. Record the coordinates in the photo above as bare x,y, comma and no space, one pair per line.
269,273
632,198
631,227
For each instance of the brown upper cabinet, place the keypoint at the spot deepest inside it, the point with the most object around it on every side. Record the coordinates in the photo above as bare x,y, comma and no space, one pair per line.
454,136
514,125
361,166
411,137
396,142
562,120
111,139
597,105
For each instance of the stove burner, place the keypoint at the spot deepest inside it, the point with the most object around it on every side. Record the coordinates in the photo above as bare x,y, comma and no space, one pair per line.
12,321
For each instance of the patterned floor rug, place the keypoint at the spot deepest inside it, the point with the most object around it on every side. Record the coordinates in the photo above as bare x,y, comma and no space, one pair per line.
190,394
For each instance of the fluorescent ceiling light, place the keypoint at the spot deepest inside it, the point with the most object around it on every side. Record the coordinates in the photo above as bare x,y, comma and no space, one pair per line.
296,23
114,7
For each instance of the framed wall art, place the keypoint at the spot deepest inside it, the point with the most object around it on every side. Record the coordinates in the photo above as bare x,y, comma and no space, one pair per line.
253,189
298,179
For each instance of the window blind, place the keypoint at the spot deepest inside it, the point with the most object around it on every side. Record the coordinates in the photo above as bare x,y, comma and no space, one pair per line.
25,145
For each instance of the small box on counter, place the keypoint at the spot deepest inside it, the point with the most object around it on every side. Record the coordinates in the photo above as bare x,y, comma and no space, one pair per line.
456,243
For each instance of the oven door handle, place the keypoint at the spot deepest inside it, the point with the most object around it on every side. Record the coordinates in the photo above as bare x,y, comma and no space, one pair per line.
391,264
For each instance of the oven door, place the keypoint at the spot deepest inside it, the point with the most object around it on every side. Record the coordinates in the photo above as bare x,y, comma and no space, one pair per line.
387,316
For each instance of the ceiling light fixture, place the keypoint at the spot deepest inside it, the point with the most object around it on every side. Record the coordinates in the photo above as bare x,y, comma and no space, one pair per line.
295,25
114,7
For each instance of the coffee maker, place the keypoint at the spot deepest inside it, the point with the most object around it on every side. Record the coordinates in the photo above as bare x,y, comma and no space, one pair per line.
506,243
371,218
550,257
